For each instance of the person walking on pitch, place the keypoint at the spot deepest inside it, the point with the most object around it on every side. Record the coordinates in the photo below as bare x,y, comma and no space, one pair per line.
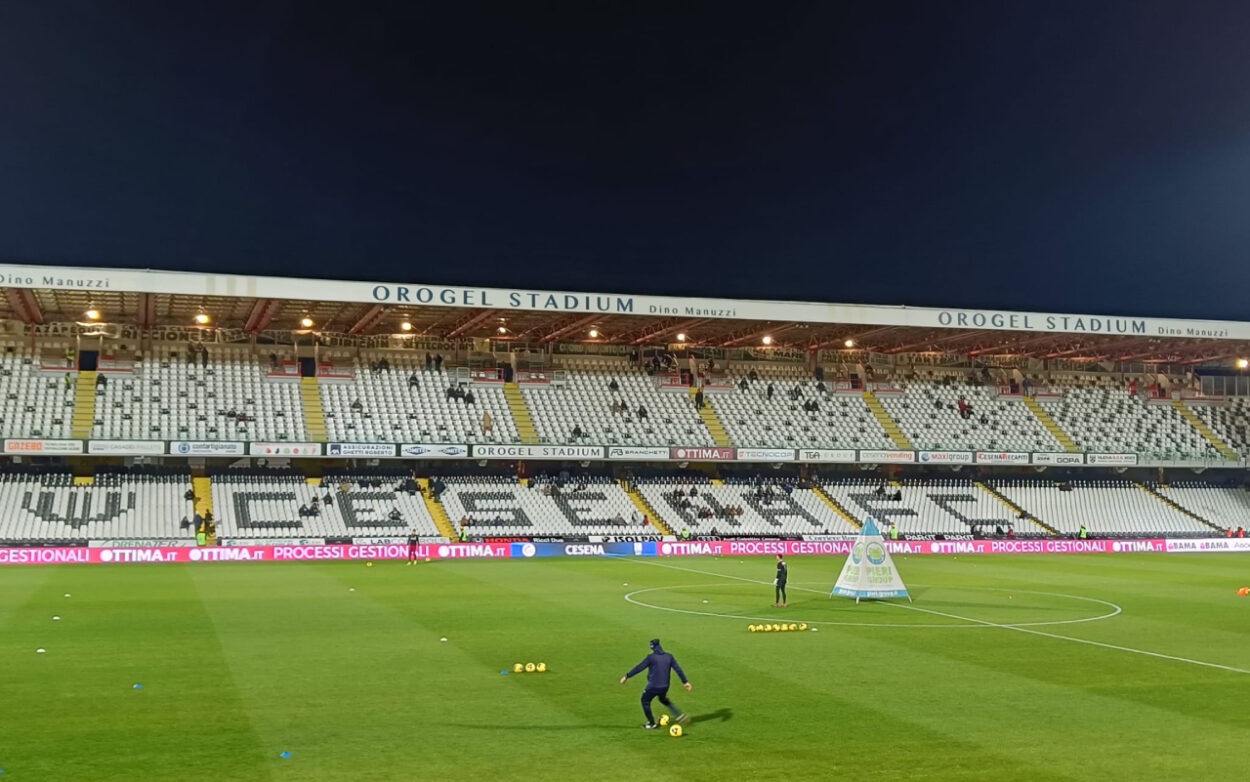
659,664
780,582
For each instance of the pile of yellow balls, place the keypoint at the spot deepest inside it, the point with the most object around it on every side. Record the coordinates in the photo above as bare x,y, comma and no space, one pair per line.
530,668
778,628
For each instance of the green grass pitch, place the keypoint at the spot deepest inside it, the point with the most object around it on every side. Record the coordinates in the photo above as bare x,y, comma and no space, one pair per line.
986,677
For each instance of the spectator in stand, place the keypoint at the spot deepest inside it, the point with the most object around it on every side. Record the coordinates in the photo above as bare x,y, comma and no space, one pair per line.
488,426
768,392
357,406
698,396
468,397
68,382
429,361
742,384
438,362
1026,387
614,386
577,432
413,380
819,374
1132,387
101,381
642,413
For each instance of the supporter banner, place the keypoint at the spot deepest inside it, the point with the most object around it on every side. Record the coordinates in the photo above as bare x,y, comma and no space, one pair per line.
1111,459
292,553
1001,457
1059,459
844,456
658,453
702,454
367,450
765,455
1208,545
43,447
434,451
945,457
570,452
205,448
874,457
285,450
126,447
634,549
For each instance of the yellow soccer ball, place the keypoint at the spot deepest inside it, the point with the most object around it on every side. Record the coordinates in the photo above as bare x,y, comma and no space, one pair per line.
663,719
518,668
368,564
529,667
768,628
776,628
541,667
793,626
803,625
751,628
675,731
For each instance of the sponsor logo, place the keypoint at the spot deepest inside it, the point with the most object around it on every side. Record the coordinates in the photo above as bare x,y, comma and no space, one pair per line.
493,298
572,452
139,555
702,454
583,550
1068,459
1137,545
43,446
875,552
205,448
126,447
361,449
1031,321
1112,459
284,449
887,456
434,451
946,457
1002,457
528,550
844,456
636,452
765,455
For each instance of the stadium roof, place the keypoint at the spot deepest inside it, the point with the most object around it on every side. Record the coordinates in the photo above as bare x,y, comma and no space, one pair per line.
38,294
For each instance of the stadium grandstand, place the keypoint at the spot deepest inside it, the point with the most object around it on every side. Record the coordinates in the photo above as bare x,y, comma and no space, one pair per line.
178,408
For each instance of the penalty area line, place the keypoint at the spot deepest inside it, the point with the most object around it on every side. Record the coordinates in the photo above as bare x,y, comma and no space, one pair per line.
1041,633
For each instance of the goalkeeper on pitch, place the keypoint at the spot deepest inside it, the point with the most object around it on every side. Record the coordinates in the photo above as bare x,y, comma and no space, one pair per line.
658,665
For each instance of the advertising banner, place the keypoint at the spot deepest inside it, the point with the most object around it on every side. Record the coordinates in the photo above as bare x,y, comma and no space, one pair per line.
1111,459
1060,459
893,457
284,450
765,455
829,455
702,454
43,447
206,448
633,549
126,447
566,452
433,451
1002,457
946,457
640,452
361,450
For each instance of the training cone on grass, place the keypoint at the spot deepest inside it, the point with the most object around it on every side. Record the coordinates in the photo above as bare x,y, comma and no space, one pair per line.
1244,591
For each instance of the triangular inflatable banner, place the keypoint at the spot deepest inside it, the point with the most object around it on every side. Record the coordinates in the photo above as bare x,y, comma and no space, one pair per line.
869,573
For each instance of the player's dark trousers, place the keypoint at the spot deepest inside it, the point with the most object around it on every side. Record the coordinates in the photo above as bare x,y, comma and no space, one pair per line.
649,695
412,553
781,592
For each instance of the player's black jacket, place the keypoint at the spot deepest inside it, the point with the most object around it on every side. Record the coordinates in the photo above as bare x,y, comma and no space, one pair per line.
782,572
658,664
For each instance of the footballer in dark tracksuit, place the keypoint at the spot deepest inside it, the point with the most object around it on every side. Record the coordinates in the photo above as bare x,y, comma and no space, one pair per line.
658,666
783,573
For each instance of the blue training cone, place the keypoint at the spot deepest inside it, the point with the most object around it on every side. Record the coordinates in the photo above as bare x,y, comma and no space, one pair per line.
285,755
138,687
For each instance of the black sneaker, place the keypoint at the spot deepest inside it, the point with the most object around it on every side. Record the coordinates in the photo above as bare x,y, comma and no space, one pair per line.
650,726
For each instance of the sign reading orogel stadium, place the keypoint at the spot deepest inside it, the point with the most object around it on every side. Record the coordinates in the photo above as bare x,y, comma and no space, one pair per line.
869,572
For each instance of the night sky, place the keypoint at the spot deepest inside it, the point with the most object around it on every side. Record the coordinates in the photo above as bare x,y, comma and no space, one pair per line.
1061,156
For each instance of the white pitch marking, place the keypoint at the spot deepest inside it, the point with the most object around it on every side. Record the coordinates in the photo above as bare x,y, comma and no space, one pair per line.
1042,633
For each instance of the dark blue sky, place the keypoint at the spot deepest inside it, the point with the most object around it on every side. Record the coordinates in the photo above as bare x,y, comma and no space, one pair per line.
1082,156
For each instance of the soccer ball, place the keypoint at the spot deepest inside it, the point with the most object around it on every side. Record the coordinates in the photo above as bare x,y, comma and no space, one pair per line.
541,667
768,628
793,626
529,667
803,626
675,731
663,719
751,628
518,668
776,629
368,564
